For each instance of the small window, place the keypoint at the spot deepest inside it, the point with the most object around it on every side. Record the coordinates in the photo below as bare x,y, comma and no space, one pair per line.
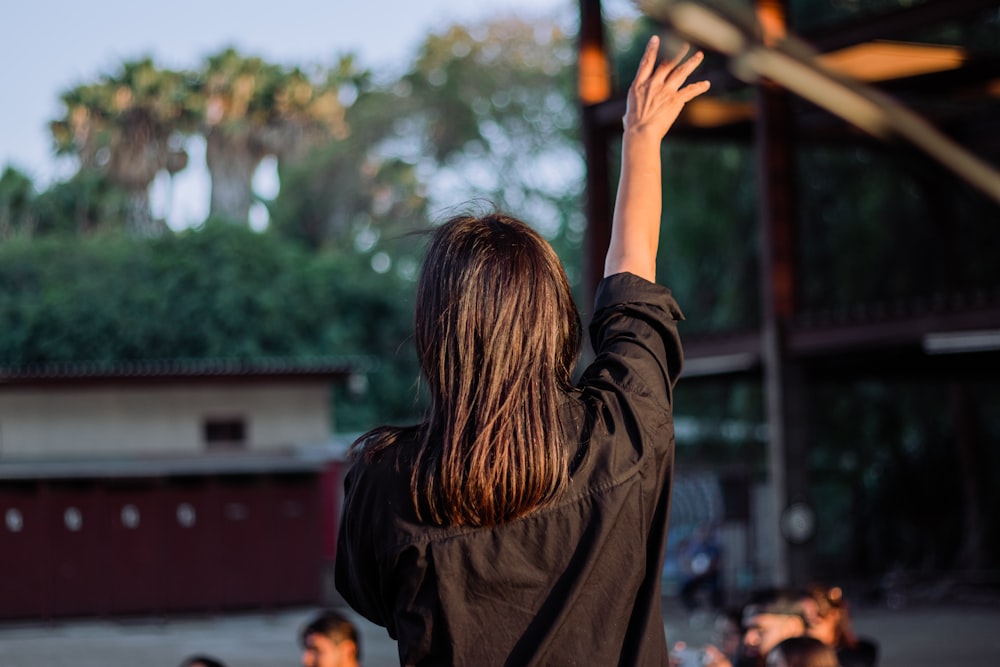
229,433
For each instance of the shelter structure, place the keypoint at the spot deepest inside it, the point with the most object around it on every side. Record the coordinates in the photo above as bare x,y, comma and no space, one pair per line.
160,487
937,58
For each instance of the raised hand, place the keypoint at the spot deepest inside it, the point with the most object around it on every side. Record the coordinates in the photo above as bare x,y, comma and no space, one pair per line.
655,99
658,93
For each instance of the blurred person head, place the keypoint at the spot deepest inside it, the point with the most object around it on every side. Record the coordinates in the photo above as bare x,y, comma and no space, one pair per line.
201,661
729,633
330,640
770,617
826,614
802,651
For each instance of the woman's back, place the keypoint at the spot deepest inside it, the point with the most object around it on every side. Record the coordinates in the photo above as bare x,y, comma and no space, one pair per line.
575,581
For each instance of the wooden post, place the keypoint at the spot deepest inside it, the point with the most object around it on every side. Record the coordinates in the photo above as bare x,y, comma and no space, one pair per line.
594,87
783,377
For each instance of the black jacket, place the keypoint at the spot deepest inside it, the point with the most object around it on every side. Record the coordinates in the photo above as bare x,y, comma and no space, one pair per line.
575,583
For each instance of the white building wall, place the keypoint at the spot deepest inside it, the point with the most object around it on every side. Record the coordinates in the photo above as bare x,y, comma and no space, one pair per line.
167,419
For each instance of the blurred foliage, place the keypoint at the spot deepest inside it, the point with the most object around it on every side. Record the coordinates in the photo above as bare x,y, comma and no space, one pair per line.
906,230
17,198
721,424
861,242
125,125
891,480
219,292
132,124
87,203
346,194
709,253
492,113
249,109
374,314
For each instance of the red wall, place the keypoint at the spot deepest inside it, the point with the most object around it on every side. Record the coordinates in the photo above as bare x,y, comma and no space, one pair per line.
98,547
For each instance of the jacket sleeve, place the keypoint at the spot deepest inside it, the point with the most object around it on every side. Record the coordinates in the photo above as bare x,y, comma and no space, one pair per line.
627,390
356,565
635,339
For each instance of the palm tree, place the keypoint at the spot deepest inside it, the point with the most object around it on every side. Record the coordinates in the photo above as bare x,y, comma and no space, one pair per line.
127,125
251,109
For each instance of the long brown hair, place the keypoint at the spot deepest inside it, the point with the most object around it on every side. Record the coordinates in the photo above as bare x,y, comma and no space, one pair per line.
497,336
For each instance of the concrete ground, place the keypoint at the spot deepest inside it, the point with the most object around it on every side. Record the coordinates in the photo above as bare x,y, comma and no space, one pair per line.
945,636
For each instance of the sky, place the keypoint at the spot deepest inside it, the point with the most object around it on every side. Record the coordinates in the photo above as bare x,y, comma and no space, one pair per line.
48,46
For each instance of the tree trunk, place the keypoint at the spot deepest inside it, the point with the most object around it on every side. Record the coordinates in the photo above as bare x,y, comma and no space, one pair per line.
231,163
137,155
140,222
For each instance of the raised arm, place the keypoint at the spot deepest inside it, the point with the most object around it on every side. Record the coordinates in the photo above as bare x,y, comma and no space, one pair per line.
655,99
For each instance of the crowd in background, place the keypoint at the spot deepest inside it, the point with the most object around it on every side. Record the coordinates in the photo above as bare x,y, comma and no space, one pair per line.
776,627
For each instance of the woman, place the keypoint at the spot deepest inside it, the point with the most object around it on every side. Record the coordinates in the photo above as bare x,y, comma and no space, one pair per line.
523,522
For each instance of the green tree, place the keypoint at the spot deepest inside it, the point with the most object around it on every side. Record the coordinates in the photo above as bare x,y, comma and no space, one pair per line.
349,193
374,318
252,109
489,111
220,292
494,105
87,203
129,125
17,194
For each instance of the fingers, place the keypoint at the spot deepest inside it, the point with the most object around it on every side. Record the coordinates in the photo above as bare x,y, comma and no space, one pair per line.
648,61
674,71
680,72
693,90
667,67
677,72
658,93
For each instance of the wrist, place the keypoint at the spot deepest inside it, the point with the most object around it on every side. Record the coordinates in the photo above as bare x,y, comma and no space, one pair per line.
641,132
